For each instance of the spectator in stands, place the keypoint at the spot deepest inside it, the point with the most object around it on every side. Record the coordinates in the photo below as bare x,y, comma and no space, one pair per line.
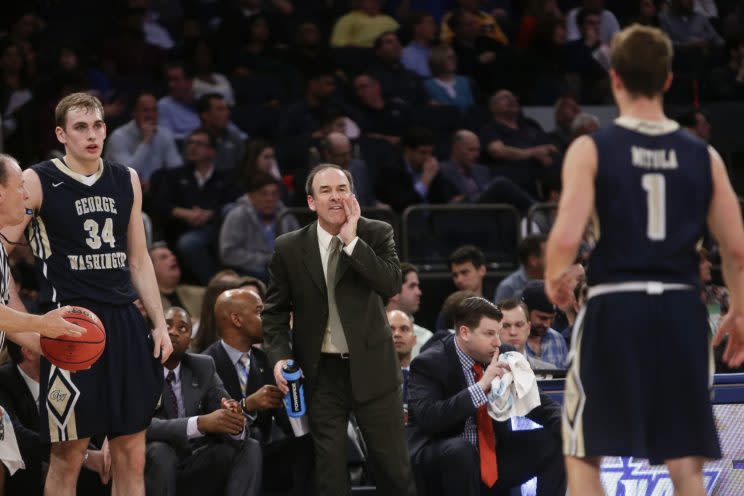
396,81
531,252
544,342
197,440
380,118
544,70
517,147
515,330
535,14
583,59
208,332
214,114
648,13
189,201
128,51
168,276
404,340
696,122
584,124
249,230
360,27
445,87
260,157
16,104
177,110
566,110
337,149
415,55
304,117
456,448
142,144
413,177
246,374
409,301
485,23
688,29
471,182
489,62
608,24
308,49
19,397
727,82
468,267
206,80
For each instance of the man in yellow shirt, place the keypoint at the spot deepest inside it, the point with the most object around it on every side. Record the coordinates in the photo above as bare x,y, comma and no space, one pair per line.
487,24
360,27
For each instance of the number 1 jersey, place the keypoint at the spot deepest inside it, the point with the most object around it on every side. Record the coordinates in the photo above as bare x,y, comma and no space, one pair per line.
79,235
653,191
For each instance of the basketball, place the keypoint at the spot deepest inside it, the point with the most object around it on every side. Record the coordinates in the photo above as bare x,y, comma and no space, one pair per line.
77,353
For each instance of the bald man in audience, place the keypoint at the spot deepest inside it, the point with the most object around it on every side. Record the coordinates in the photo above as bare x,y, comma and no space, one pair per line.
337,149
248,379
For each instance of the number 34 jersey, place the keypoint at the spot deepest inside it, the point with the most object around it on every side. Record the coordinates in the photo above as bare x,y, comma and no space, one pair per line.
79,235
653,191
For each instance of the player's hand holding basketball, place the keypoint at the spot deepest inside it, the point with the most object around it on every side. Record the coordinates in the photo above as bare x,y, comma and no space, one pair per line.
732,325
162,345
53,324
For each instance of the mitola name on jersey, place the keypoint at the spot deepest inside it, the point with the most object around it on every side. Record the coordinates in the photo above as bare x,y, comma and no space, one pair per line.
653,159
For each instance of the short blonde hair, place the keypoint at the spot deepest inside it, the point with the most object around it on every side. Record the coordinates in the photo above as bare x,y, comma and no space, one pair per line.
642,57
76,101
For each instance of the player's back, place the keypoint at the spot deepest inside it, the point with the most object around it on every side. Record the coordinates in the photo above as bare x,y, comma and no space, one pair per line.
79,235
653,190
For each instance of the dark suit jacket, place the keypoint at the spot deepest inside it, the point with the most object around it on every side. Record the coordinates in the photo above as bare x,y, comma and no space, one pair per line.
439,402
450,173
396,188
16,398
201,391
297,284
259,374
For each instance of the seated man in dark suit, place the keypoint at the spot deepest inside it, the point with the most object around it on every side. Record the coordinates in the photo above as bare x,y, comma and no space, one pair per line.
19,396
249,380
196,442
456,448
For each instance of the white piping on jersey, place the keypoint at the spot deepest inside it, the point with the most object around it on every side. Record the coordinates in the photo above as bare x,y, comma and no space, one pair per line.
650,128
648,287
81,178
40,252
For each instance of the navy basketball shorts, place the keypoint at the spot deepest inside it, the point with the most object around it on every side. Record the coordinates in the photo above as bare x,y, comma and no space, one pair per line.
640,379
117,395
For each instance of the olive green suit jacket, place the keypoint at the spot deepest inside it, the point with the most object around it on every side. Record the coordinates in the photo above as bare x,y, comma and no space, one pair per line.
297,286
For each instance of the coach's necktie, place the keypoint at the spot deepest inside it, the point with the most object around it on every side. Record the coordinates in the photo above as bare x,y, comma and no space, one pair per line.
243,366
334,320
486,439
170,402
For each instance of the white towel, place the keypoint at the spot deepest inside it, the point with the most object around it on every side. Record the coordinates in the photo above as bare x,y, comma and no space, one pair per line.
10,455
515,394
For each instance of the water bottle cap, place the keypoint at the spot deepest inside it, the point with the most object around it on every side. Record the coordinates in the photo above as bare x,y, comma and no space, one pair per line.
290,366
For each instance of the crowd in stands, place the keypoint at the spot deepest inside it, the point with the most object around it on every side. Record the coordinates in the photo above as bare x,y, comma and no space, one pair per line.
223,107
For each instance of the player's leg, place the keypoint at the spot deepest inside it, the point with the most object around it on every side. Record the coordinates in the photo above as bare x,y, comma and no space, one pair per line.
65,462
687,475
128,464
583,476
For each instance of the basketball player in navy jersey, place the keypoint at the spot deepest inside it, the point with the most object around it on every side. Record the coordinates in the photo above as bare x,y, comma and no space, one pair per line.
643,335
89,241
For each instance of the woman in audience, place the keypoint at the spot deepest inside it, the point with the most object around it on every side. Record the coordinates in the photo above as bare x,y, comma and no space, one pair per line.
446,87
205,79
260,156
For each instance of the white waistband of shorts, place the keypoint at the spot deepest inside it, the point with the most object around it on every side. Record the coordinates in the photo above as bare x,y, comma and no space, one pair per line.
648,287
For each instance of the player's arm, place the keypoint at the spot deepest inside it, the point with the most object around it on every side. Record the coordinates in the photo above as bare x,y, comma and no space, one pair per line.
143,274
724,220
574,209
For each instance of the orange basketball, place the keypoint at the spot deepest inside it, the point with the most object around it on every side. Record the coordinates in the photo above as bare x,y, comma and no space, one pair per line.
81,352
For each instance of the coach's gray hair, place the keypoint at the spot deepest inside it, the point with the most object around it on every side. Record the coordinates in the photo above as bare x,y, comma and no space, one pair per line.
5,162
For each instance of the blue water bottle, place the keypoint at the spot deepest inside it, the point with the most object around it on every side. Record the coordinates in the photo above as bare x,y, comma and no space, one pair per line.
294,401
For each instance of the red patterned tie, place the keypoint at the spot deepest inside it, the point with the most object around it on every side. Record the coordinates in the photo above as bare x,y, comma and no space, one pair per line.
486,439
